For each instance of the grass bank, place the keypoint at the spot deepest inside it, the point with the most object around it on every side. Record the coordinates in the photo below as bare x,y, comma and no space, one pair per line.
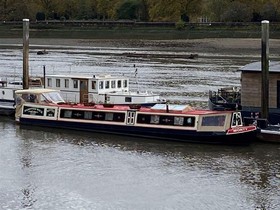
132,31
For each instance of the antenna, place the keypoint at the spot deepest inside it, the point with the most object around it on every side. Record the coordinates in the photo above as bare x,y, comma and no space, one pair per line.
136,78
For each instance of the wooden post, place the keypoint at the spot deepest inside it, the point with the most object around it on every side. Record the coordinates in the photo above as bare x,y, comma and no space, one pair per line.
265,70
25,53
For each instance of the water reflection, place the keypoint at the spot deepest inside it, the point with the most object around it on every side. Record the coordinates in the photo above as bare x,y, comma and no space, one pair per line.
26,158
28,200
58,168
256,165
261,175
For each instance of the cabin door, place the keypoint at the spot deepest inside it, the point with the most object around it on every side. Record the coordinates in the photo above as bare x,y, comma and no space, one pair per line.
278,94
130,120
83,91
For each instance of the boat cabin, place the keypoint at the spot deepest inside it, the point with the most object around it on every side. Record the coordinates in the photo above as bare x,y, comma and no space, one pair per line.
251,87
102,89
85,88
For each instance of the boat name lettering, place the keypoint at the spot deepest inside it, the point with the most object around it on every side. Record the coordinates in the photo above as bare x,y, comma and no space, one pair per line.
237,130
33,111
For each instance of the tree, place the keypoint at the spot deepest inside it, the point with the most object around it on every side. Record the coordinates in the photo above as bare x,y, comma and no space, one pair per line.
107,9
191,8
173,10
215,9
131,9
85,10
148,10
237,12
40,16
49,8
164,10
270,12
17,10
67,9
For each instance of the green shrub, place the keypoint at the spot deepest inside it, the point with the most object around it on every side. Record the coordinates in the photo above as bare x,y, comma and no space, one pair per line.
180,25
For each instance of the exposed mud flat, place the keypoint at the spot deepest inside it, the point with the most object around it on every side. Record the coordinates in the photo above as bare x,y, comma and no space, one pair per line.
163,66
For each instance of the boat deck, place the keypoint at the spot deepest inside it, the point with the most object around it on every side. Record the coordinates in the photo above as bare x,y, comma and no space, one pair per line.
161,109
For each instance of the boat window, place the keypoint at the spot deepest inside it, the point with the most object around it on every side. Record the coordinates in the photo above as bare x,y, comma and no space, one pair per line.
93,85
101,85
57,82
213,120
49,82
125,83
53,97
189,121
119,83
154,119
88,115
50,112
66,114
109,116
113,84
4,83
119,117
75,83
236,119
107,84
178,120
32,98
66,83
83,85
128,99
143,118
29,97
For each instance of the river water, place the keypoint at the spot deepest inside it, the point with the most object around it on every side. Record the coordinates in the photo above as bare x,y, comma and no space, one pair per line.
58,169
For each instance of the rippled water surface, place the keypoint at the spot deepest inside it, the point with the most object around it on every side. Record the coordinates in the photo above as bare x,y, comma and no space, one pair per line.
59,169
56,169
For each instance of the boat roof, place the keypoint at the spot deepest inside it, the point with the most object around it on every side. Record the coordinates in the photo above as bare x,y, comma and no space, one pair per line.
274,66
102,76
35,91
172,107
144,109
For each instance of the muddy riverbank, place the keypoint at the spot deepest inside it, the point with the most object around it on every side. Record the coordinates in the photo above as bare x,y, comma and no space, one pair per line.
163,65
215,45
